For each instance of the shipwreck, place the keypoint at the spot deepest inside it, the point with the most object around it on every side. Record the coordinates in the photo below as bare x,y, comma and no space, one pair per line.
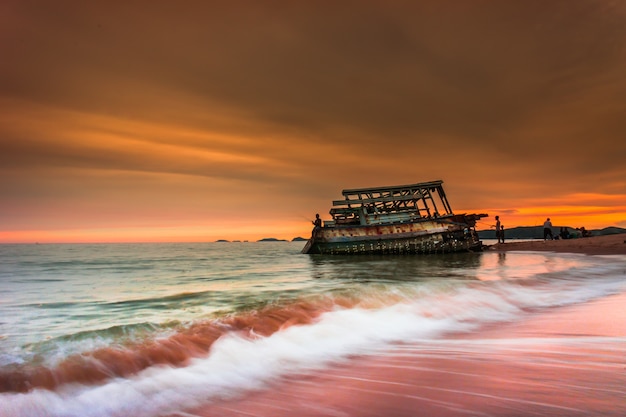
403,219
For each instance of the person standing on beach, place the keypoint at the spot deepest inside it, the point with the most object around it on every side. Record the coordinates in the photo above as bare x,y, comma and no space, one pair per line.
499,234
547,229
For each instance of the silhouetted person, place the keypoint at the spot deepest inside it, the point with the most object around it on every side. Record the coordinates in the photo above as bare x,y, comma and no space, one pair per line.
547,229
499,233
564,233
317,222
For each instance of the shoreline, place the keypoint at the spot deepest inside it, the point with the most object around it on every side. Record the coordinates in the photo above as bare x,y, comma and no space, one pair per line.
594,245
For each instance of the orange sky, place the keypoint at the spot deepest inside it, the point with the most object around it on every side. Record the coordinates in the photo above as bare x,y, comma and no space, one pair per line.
202,120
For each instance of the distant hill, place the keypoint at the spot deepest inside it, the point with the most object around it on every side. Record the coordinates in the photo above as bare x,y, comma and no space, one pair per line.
536,232
271,239
299,239
613,230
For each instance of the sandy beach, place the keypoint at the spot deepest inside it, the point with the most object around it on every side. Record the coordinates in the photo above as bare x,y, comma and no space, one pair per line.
595,245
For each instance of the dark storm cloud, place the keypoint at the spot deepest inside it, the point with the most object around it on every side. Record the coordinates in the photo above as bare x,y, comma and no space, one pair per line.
461,67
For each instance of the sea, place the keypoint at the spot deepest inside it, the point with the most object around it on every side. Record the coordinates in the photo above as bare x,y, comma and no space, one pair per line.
259,329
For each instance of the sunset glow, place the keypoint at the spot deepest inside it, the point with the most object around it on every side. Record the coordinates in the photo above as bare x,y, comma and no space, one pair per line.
127,122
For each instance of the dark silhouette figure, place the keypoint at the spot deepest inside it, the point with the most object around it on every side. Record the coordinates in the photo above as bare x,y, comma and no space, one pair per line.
547,229
499,230
317,222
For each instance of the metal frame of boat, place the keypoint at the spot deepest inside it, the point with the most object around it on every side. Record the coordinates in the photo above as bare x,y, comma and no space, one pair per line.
403,219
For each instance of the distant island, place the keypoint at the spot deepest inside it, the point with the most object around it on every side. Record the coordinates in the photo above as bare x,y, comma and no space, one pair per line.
266,239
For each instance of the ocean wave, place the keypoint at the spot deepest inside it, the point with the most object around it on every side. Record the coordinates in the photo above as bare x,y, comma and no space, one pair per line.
232,354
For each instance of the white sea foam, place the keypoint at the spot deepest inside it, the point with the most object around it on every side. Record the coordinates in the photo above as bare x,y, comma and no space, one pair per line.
237,364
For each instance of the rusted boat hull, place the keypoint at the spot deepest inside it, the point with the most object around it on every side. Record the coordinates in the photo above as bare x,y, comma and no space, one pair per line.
422,237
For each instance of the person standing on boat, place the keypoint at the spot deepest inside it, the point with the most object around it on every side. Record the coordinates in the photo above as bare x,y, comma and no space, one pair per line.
317,222
317,225
547,229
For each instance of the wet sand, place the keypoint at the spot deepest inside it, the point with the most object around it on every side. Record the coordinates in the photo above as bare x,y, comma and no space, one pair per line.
566,362
595,245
